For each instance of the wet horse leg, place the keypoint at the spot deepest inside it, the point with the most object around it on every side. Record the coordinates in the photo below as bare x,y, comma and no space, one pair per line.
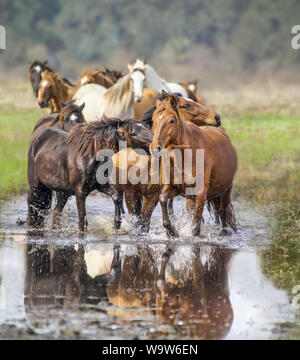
80,201
39,201
117,197
198,212
61,200
149,204
163,199
170,206
226,213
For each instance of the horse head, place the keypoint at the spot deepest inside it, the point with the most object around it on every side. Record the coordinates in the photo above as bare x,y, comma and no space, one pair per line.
71,115
137,75
47,88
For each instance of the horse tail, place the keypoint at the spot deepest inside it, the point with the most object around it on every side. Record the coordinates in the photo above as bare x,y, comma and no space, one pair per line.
230,217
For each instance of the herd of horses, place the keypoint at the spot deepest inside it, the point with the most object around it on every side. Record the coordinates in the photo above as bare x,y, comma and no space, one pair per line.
106,108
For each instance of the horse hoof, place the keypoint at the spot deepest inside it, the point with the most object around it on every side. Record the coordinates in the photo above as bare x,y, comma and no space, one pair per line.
172,232
196,232
117,224
224,232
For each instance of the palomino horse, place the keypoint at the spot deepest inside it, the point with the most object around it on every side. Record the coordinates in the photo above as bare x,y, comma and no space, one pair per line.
220,164
35,73
154,81
117,101
67,164
127,160
53,90
106,80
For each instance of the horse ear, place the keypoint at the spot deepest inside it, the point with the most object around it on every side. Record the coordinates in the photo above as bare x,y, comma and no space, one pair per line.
145,61
165,95
130,67
82,106
173,102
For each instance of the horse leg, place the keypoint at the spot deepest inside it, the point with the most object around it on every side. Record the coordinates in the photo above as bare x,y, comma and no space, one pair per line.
80,201
61,200
117,197
163,199
39,201
226,213
170,206
198,212
216,206
149,203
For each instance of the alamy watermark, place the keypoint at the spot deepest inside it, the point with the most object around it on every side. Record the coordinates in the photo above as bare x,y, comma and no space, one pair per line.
295,43
2,37
177,167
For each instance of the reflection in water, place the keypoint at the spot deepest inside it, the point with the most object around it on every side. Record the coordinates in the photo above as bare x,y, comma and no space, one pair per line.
192,297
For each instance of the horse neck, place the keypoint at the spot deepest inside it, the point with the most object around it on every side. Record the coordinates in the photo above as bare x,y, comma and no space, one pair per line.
65,91
119,98
153,80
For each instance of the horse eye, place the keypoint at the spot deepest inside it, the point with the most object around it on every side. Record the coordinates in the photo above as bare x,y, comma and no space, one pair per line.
186,106
172,121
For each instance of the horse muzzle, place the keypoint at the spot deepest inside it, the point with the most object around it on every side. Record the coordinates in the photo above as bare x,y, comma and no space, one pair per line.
43,104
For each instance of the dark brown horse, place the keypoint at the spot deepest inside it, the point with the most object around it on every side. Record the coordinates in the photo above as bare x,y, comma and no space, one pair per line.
67,163
69,116
220,163
35,70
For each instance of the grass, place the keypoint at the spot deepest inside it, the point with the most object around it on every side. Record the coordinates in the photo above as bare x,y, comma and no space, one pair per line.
268,150
16,126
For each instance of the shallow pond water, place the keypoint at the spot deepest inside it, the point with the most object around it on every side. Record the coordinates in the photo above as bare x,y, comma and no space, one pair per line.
117,285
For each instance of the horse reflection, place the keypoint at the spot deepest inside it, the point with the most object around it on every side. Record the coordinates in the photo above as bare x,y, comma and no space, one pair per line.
186,292
193,300
57,276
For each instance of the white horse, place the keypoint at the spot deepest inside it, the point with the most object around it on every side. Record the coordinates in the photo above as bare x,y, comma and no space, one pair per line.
116,101
154,81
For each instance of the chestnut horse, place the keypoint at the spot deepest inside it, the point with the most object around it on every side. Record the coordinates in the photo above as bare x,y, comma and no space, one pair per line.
105,78
220,163
128,159
67,164
53,90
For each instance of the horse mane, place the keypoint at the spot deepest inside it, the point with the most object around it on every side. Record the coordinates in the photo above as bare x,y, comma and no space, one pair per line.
120,94
68,82
147,117
96,135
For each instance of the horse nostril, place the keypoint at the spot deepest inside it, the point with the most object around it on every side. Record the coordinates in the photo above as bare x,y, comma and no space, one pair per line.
158,148
218,119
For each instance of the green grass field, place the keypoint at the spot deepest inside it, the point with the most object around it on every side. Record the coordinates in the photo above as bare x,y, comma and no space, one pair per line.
16,126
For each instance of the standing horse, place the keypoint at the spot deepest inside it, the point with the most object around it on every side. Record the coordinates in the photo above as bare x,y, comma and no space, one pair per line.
67,164
220,164
53,91
154,81
36,69
141,199
117,101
